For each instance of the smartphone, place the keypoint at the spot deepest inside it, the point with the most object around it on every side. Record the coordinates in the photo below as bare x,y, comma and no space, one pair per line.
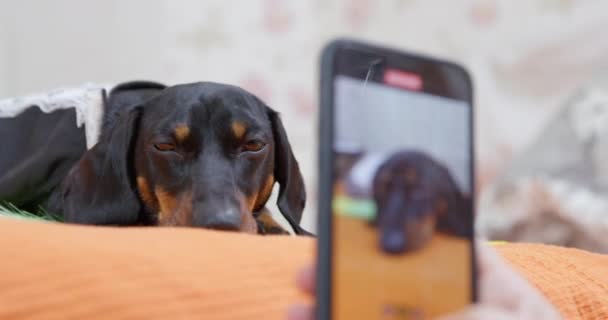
396,187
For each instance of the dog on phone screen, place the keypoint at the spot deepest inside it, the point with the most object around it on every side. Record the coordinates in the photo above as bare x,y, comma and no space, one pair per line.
416,196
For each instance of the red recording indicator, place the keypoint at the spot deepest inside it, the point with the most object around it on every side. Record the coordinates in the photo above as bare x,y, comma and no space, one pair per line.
403,79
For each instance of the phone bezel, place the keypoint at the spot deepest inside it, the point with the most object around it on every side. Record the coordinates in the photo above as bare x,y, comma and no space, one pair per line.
326,139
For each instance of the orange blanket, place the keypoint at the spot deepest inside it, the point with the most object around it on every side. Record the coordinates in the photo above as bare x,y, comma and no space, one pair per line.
53,271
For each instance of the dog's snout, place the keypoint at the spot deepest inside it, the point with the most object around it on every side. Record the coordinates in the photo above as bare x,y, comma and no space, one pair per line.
228,219
393,241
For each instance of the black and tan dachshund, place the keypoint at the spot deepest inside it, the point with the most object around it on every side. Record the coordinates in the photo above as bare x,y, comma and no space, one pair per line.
416,196
201,154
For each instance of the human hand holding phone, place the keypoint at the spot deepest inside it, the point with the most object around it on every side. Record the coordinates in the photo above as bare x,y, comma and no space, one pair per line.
396,197
504,294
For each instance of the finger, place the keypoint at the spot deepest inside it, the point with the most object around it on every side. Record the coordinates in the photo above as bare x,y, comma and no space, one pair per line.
487,258
306,280
300,312
495,272
480,312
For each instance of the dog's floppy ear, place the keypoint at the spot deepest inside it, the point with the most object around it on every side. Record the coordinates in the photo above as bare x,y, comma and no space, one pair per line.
133,93
127,95
292,193
100,188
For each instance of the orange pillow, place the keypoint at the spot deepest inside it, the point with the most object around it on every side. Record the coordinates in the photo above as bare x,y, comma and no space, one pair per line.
575,281
55,271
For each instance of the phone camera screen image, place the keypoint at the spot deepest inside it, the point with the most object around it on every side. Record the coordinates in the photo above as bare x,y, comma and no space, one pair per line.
402,219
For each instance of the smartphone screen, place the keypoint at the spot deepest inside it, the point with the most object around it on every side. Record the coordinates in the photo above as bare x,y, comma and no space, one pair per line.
401,185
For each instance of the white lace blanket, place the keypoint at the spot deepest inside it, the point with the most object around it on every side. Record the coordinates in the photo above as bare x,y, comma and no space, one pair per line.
87,99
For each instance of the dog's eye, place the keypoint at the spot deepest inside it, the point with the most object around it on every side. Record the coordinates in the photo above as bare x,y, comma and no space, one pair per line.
164,147
253,146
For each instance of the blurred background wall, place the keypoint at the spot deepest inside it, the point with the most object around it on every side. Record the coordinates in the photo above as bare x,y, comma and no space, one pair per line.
527,57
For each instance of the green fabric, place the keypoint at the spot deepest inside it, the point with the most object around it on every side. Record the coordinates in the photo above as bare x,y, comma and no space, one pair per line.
356,208
11,211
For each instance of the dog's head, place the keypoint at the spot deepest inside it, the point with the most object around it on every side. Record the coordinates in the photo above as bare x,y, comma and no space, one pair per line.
202,154
414,195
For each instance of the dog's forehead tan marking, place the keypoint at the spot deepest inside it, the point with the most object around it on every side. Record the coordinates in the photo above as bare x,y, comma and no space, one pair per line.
181,131
238,129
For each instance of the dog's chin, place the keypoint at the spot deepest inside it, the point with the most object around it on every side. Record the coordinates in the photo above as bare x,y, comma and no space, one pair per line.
248,224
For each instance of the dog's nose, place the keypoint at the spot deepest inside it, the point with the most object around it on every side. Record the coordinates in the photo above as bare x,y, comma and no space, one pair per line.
393,241
227,219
